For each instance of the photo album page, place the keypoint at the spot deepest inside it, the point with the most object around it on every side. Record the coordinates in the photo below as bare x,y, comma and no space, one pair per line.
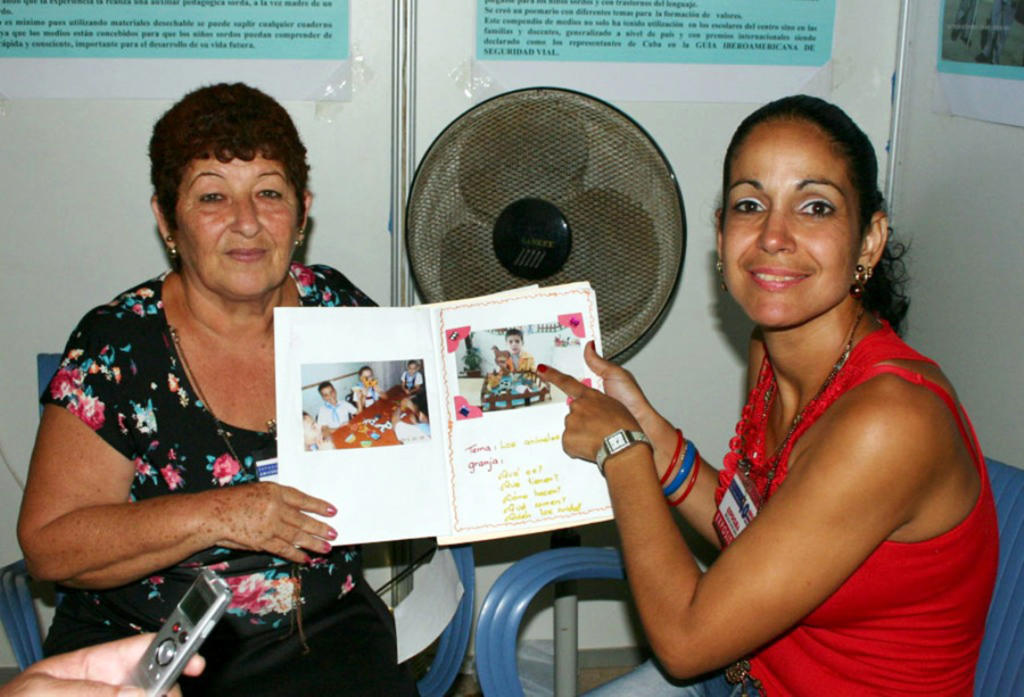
432,421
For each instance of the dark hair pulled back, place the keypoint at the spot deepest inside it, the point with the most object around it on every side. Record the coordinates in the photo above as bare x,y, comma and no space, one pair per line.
884,292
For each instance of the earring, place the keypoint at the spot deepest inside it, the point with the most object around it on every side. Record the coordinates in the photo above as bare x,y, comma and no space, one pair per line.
172,249
860,278
301,238
720,268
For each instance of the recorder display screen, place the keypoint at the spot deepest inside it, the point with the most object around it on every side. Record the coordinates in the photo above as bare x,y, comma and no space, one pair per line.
193,605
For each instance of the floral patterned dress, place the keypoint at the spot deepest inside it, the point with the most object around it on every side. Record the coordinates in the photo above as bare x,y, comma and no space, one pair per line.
317,625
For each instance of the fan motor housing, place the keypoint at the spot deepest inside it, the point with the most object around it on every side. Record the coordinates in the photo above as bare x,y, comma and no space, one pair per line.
532,238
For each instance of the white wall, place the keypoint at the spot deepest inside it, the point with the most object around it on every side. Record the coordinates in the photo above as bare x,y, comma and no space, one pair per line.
959,201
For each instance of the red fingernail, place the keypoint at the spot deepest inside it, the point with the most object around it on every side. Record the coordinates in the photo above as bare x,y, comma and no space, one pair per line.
331,510
331,534
541,368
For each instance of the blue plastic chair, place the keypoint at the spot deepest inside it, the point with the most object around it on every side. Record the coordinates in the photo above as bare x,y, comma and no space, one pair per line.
17,611
502,611
454,641
18,614
1000,663
46,367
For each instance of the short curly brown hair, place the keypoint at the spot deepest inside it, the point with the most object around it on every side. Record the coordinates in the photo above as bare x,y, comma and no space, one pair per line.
226,121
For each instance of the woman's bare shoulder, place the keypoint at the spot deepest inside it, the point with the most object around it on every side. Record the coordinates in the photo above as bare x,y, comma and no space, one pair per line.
897,438
890,416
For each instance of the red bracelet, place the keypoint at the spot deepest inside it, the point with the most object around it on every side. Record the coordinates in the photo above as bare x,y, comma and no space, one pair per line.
693,480
675,457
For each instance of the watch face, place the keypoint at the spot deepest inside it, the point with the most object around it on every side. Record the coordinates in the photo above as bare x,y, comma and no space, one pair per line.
616,441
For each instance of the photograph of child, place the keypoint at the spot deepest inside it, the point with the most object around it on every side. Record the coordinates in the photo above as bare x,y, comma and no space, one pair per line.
332,414
497,371
314,436
362,405
412,385
521,360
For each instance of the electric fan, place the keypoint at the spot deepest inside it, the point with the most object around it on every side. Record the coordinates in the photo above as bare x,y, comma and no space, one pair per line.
548,186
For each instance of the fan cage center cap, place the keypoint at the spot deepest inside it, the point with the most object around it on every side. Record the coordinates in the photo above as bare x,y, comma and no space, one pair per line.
532,238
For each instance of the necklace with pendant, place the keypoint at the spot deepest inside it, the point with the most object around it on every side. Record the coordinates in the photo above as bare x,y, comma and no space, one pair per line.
295,573
745,463
739,672
223,432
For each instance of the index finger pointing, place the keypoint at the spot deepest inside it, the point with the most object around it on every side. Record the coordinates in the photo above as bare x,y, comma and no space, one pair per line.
572,387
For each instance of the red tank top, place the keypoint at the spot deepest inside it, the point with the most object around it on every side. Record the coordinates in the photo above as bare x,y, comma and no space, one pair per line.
910,619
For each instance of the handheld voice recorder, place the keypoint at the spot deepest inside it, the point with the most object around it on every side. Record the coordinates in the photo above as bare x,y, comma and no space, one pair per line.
184,631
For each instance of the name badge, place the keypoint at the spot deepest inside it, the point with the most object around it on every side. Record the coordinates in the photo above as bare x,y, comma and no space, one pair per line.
739,505
266,470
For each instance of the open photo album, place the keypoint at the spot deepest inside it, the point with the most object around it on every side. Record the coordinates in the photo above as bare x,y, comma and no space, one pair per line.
432,421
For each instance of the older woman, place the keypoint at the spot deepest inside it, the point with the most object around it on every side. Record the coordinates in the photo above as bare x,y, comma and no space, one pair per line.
144,469
856,525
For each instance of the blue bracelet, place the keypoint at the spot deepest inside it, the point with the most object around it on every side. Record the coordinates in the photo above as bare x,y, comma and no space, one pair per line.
684,470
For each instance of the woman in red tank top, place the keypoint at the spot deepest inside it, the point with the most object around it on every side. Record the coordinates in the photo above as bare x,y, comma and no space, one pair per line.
856,526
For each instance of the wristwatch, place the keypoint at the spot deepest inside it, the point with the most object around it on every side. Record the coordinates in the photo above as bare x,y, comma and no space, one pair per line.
616,443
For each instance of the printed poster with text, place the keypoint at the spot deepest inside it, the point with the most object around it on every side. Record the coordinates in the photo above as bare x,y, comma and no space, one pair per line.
655,49
148,48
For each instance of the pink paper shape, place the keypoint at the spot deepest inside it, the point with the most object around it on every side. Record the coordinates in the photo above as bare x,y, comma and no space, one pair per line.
454,337
574,322
465,410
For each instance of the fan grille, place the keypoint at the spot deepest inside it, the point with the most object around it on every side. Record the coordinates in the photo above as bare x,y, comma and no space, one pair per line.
608,178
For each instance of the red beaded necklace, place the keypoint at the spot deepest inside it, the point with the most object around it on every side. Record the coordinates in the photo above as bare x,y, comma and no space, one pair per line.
747,446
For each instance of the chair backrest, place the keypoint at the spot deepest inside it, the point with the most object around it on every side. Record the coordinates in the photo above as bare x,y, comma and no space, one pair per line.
454,641
17,609
46,366
18,614
1001,661
502,611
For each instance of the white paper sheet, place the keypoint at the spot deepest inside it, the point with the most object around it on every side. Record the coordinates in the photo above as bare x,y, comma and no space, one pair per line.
426,611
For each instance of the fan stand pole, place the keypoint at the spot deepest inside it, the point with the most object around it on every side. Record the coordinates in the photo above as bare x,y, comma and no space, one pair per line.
403,142
566,630
403,101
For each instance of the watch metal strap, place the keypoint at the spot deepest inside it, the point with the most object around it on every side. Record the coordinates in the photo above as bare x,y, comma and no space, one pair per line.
617,442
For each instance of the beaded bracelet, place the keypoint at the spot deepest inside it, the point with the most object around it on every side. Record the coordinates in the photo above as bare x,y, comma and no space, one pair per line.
689,487
684,470
675,457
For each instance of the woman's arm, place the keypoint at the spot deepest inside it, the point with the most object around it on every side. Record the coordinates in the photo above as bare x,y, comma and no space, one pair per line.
840,500
78,527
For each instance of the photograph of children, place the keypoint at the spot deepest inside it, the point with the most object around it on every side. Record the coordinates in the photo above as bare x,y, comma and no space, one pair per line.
497,366
363,405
